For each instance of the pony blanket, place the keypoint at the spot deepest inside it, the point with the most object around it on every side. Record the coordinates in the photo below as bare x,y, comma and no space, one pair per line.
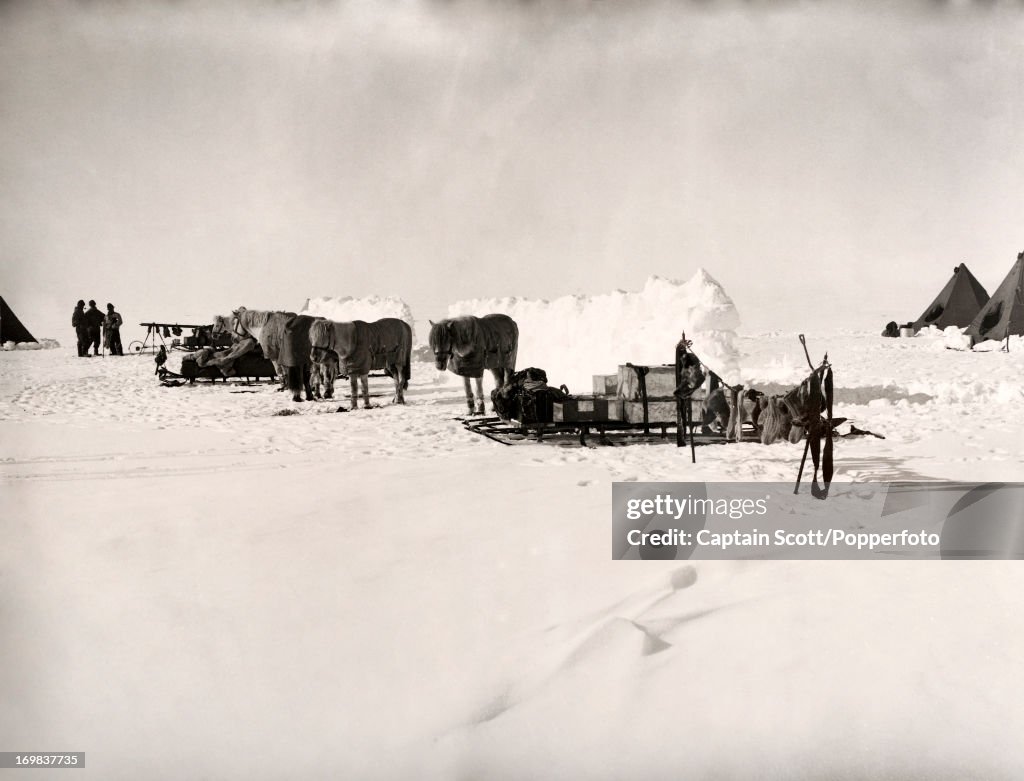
362,347
492,337
378,345
295,347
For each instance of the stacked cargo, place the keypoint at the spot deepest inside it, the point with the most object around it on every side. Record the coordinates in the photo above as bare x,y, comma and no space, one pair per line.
618,398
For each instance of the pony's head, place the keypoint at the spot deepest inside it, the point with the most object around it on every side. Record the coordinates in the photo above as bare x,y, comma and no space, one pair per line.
237,325
441,343
321,340
222,324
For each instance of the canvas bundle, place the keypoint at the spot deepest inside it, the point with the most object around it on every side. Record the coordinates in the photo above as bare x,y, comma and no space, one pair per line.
527,397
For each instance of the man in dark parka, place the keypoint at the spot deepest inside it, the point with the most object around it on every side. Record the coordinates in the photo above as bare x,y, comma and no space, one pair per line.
81,329
94,323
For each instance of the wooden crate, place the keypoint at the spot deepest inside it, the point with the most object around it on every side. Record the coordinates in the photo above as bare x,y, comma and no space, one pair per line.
587,408
658,411
606,384
663,410
661,383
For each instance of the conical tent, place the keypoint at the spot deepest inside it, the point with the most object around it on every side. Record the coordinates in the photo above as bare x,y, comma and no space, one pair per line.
1003,315
11,329
958,303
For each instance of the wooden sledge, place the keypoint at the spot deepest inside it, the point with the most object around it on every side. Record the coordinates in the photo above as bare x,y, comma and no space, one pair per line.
609,433
248,367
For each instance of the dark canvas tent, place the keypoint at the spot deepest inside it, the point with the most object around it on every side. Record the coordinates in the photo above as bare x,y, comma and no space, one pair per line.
1004,313
958,303
11,329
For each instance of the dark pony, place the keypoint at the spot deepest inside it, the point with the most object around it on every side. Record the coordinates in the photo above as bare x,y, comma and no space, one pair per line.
468,345
358,347
284,339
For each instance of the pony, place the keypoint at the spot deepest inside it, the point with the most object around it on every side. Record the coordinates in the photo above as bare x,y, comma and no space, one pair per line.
468,345
284,339
356,348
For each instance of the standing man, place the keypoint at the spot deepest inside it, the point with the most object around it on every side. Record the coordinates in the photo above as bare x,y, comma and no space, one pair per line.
94,323
112,331
81,329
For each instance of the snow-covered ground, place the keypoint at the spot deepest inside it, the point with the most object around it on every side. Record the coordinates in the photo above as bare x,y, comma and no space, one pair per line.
195,586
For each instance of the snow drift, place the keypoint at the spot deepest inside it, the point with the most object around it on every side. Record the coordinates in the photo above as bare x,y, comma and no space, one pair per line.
348,308
42,344
574,337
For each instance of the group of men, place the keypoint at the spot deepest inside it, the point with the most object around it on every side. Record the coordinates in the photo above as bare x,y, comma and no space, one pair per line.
91,324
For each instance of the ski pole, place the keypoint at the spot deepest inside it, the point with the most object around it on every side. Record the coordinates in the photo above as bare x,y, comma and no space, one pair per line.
689,417
800,474
806,354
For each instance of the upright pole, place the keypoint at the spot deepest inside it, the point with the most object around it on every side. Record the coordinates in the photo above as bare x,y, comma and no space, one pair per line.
681,411
800,474
693,445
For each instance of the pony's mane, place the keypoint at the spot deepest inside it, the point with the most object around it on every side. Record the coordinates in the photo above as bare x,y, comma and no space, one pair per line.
320,332
439,330
253,318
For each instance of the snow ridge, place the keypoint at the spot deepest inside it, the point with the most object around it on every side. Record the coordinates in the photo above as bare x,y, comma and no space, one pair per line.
577,336
347,308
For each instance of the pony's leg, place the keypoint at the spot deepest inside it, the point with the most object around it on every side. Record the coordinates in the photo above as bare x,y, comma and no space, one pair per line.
396,374
400,382
282,376
306,381
295,376
469,395
365,379
354,383
480,395
327,379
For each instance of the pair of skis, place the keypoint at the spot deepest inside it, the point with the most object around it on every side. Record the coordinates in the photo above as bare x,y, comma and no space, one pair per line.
822,375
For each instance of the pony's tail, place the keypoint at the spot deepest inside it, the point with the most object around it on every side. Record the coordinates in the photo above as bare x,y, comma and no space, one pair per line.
293,375
407,368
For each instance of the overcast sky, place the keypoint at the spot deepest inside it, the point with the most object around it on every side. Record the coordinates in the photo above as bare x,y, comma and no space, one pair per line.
819,159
